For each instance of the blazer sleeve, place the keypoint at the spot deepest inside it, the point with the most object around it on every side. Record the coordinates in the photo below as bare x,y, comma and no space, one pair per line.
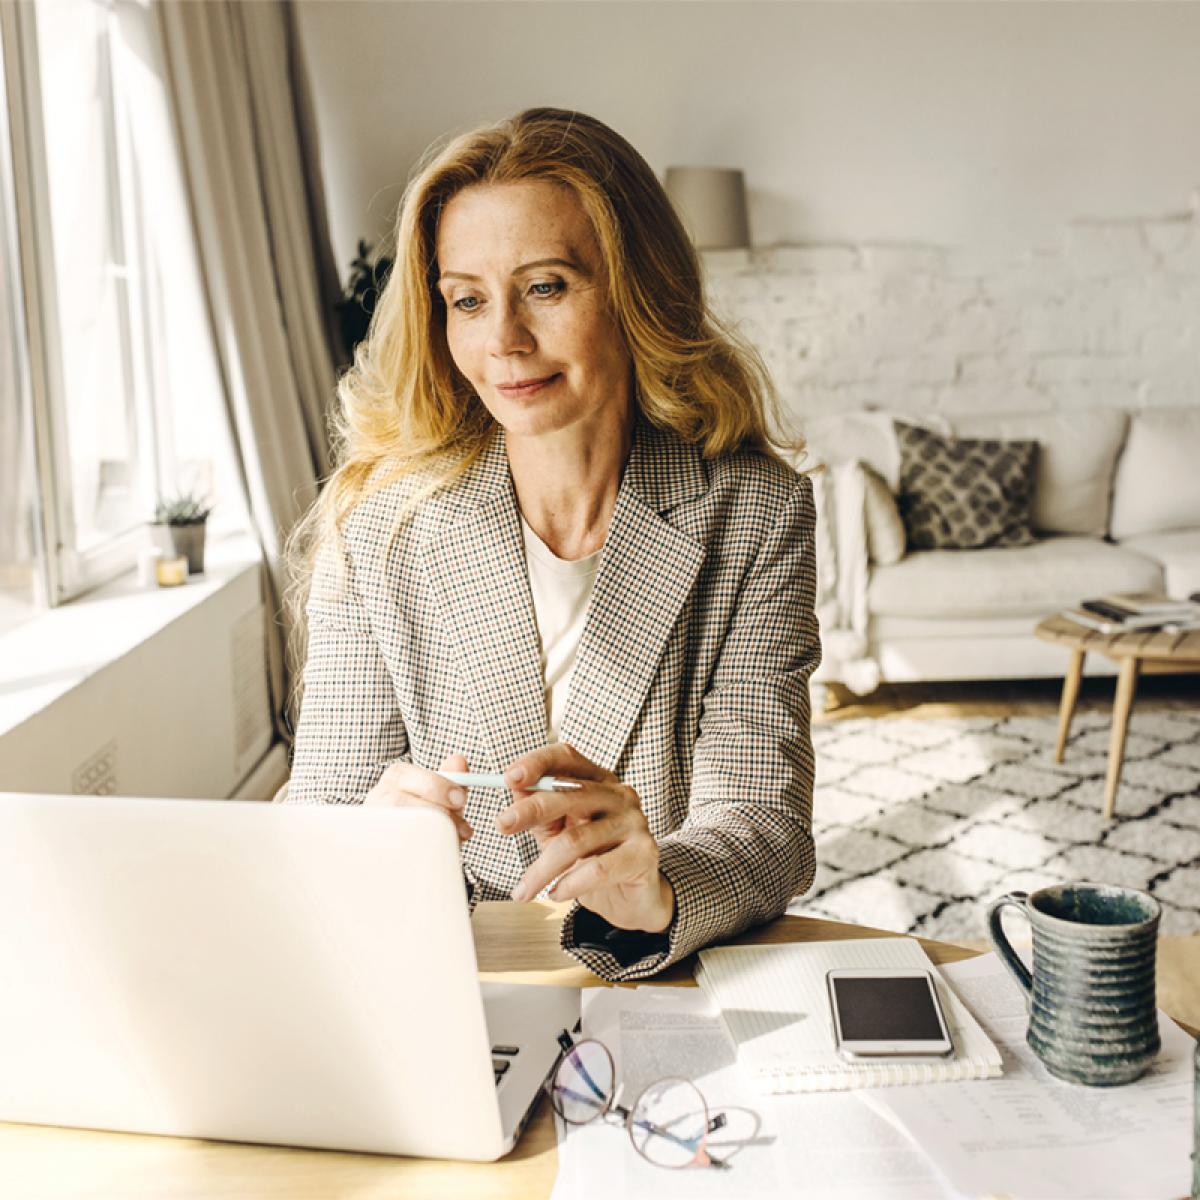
350,726
746,846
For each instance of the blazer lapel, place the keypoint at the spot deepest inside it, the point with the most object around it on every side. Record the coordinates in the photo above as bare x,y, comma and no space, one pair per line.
475,564
476,567
646,576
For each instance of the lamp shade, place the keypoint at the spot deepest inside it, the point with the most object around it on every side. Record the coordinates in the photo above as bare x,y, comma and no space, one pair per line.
712,203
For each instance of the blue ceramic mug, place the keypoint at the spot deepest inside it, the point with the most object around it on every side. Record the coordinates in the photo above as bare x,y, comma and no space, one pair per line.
1093,1018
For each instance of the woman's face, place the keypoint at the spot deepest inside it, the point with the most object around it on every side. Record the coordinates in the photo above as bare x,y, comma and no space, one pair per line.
527,320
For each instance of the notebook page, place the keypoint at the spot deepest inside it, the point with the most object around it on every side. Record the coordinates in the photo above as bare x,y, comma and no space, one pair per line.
774,1003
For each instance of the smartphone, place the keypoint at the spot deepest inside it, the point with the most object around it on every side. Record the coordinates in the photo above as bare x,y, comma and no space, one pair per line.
887,1015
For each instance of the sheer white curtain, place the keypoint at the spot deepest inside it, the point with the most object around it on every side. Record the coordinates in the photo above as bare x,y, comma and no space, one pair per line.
238,95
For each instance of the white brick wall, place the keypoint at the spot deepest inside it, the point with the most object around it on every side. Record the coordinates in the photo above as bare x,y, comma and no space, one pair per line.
1111,317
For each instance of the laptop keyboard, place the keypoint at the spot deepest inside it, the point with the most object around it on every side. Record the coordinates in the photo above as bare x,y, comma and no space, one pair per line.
502,1057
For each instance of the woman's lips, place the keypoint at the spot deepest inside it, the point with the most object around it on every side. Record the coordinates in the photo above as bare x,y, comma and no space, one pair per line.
526,387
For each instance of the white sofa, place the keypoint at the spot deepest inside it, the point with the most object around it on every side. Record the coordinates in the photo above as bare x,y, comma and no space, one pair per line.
1116,508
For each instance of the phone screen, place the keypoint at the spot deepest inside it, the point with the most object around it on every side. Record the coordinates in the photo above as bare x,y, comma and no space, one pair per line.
874,1009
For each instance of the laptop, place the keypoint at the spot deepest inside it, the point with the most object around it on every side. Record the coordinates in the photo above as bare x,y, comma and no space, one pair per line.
260,973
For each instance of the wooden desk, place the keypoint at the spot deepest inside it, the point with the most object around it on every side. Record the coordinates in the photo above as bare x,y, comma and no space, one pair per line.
515,943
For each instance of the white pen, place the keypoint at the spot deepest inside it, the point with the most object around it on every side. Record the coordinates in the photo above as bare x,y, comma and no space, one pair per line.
547,783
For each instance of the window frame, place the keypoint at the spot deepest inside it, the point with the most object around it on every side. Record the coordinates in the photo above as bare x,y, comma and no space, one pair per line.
68,572
35,598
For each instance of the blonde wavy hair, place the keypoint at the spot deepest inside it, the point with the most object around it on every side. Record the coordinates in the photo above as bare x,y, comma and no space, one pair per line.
404,408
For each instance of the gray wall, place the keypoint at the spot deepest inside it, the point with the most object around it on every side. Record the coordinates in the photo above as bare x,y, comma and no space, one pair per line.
953,124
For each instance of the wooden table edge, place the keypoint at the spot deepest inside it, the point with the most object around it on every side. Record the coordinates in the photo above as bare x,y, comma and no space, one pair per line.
1179,651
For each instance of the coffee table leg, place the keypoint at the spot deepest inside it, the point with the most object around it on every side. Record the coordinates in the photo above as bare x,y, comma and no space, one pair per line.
1066,709
1122,706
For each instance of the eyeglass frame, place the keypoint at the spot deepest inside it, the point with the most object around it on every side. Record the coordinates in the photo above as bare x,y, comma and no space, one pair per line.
567,1043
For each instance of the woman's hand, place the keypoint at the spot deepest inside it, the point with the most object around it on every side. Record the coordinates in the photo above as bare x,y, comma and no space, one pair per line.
404,784
595,841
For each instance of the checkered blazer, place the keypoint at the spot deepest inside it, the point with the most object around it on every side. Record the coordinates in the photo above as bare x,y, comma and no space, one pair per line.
690,682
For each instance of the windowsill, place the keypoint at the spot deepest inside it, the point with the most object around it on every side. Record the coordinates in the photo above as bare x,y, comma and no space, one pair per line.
45,657
14,613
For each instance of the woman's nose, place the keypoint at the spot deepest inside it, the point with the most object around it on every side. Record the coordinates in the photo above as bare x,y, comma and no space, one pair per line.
509,334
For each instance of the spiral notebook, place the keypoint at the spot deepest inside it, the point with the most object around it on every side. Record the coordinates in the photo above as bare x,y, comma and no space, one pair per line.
774,1003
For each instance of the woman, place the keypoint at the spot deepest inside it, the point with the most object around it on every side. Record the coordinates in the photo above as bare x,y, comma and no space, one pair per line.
560,544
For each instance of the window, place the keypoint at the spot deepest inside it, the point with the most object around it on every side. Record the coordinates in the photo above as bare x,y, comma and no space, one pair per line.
120,400
20,581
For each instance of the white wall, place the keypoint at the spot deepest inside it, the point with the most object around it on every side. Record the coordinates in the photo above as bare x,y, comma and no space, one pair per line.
1110,318
945,123
143,693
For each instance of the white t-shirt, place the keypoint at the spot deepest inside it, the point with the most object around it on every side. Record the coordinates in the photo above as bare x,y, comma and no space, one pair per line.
561,590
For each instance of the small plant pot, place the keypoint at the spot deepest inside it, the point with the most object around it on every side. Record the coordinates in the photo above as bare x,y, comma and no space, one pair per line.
185,541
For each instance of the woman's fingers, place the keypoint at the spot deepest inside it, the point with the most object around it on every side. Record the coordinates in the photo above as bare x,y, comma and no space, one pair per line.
570,826
533,810
595,841
458,762
543,810
633,860
404,784
562,851
559,759
547,813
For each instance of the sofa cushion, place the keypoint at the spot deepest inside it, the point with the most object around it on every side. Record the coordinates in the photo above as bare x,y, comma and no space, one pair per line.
885,628
886,539
1035,580
1076,457
866,436
964,493
1179,554
1157,485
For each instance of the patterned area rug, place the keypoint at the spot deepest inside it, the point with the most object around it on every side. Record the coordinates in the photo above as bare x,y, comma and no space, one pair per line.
920,823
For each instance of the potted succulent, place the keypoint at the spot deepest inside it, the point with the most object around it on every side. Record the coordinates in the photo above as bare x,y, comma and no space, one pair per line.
178,529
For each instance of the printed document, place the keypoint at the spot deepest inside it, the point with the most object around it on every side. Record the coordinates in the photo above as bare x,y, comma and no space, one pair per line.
821,1147
1029,1134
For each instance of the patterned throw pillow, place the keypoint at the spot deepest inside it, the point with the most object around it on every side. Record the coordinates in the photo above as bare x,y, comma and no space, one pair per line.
962,493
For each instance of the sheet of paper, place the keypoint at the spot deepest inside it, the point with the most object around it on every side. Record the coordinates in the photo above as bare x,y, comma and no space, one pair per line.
1028,1134
823,1147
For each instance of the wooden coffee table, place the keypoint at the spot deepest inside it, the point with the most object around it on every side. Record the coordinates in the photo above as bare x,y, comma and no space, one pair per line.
1145,652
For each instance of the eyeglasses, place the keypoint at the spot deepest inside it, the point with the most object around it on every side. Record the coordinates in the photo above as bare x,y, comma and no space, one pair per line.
668,1124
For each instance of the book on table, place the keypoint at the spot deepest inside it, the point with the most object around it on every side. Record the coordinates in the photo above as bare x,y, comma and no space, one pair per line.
1105,623
774,1004
1092,620
1135,610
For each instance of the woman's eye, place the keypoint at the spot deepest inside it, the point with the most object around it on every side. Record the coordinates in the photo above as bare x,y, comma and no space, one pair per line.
546,290
467,303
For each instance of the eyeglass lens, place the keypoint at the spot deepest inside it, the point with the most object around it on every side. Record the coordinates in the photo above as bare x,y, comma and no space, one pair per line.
583,1084
669,1124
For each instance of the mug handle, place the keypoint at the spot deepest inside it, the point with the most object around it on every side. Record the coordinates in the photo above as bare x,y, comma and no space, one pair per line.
1003,947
